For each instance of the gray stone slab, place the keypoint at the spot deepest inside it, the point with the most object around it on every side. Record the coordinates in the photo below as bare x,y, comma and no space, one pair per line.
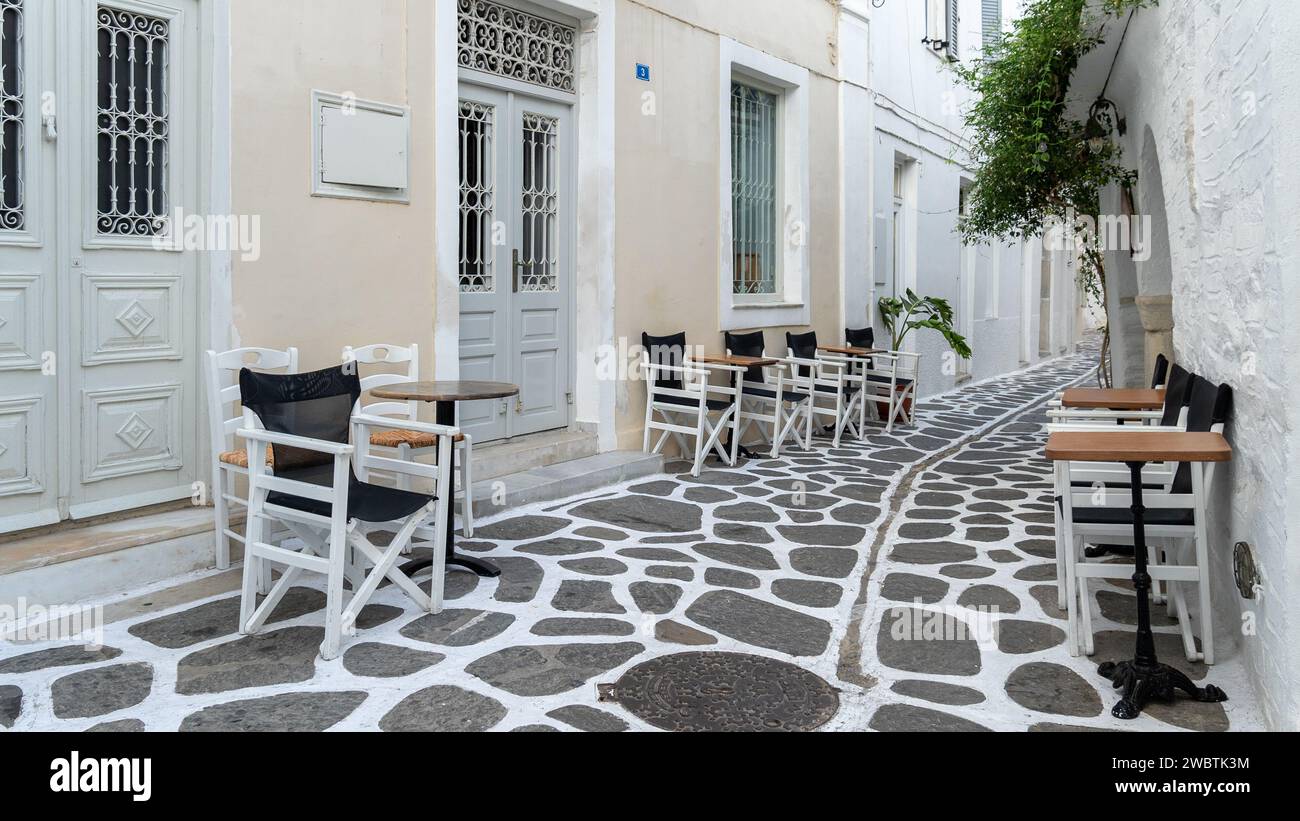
655,598
11,704
674,632
547,670
989,598
749,557
520,579
933,553
598,566
824,562
905,718
734,579
732,532
1053,689
282,657
824,535
125,725
760,623
910,588
561,627
586,597
588,719
808,593
928,642
103,690
458,628
444,709
642,514
521,528
604,534
288,713
657,554
748,513
375,660
56,657
220,618
937,692
1019,638
968,572
673,572
562,546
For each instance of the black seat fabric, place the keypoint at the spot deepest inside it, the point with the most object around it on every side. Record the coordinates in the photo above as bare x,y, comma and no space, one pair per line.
1178,392
1211,405
1124,516
885,380
687,402
753,345
319,406
668,351
802,346
770,393
861,338
1162,371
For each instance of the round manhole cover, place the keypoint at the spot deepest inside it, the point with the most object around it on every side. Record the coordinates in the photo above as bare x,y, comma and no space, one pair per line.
726,692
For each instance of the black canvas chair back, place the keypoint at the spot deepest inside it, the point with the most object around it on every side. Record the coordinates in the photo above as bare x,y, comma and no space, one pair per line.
861,338
1177,394
1162,371
751,344
669,351
804,346
311,405
1211,405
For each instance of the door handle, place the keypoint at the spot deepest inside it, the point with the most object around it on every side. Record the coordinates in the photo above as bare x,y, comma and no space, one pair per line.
515,265
51,127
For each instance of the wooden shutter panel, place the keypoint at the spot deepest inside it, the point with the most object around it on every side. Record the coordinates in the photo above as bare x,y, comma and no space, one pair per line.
992,21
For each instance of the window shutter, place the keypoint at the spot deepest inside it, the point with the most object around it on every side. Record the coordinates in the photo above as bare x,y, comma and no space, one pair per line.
992,21
954,18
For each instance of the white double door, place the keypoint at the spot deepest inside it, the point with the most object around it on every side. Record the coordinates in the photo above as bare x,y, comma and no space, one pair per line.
516,258
98,325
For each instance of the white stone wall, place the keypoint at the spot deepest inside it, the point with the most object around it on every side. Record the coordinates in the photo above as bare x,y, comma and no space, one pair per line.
1216,86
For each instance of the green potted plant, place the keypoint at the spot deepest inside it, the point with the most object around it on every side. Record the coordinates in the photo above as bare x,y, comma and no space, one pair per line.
912,312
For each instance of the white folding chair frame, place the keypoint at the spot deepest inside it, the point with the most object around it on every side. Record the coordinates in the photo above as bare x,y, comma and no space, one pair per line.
696,389
336,546
222,429
827,372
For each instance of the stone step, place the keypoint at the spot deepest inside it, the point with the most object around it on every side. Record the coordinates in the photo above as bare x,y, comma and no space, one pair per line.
522,454
561,481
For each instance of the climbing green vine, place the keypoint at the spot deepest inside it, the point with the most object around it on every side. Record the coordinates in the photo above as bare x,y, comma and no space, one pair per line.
1037,165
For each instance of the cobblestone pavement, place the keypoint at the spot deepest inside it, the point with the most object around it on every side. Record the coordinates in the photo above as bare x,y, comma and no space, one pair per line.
812,559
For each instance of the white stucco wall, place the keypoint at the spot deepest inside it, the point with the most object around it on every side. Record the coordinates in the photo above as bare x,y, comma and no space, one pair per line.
1215,85
918,119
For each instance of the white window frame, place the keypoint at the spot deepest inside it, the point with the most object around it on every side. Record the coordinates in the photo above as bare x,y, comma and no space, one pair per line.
791,305
942,25
321,100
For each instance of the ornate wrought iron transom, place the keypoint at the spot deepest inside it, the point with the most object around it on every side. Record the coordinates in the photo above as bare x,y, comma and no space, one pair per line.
726,692
477,198
132,123
511,43
12,113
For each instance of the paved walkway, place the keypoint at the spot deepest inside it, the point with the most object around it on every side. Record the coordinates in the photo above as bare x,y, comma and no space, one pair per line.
813,559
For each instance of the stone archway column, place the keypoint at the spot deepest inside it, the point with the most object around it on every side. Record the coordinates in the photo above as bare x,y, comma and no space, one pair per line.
1157,314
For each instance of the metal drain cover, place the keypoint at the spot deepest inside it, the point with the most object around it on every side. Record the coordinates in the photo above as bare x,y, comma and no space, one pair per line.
726,692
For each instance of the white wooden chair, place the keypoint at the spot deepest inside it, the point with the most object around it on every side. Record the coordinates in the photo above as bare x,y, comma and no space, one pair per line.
318,489
835,389
891,382
1178,389
410,445
772,398
1175,525
229,458
681,395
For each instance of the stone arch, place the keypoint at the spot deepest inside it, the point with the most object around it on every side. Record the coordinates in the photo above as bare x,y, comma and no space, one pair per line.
1155,272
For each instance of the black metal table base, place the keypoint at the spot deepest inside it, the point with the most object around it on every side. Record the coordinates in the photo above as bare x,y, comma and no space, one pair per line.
1145,678
1142,684
476,566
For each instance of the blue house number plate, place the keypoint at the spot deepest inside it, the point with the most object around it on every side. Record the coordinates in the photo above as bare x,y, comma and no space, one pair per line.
643,72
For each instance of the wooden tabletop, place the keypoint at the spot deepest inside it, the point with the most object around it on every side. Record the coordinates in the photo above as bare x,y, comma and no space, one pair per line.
446,391
736,361
850,351
1138,446
1134,399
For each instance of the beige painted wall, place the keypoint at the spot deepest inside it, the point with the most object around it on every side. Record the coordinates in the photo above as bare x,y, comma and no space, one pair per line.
668,170
333,272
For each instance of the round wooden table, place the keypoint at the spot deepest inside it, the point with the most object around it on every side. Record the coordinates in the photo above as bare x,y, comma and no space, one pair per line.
445,396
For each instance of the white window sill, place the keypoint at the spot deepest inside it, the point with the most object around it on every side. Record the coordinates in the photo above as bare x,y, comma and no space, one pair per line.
753,306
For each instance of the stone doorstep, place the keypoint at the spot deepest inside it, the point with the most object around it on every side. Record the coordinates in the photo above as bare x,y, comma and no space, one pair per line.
89,563
496,459
563,480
